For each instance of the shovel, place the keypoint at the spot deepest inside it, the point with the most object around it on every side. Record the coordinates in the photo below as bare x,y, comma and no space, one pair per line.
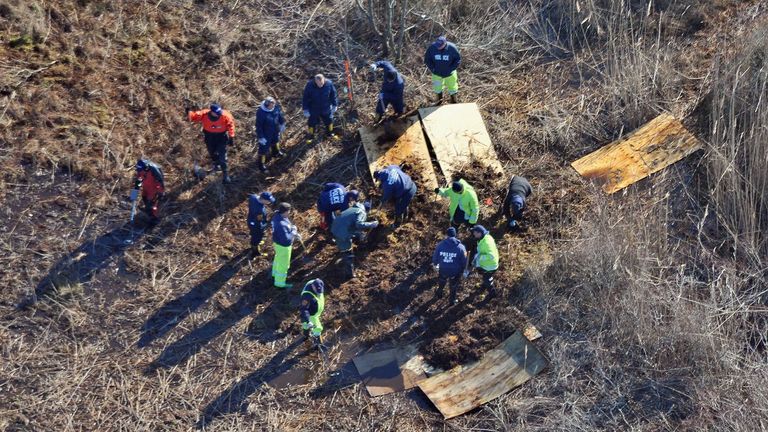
134,200
352,115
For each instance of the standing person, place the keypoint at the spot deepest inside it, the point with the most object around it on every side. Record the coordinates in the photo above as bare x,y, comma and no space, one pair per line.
391,89
311,308
319,102
464,207
396,186
283,234
347,225
332,198
151,183
514,203
270,124
257,220
219,132
450,261
486,258
443,58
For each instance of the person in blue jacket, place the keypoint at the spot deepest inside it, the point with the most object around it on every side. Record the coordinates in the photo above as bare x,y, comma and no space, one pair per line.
319,103
270,124
396,186
443,58
283,234
332,198
257,220
450,261
391,89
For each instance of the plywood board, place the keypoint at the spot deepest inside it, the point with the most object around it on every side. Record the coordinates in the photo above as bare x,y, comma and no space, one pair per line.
505,367
651,148
458,136
391,370
400,142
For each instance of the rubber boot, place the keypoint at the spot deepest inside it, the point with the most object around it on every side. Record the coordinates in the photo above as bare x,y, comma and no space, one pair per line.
310,135
332,134
263,163
439,98
276,151
440,289
453,98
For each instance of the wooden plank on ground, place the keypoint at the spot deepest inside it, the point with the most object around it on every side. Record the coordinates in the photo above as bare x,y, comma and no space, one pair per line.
505,367
458,136
651,148
391,370
400,142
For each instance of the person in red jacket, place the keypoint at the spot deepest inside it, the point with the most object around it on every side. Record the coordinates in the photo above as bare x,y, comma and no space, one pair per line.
219,131
149,179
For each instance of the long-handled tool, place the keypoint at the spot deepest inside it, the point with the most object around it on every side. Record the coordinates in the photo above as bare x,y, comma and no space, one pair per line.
134,201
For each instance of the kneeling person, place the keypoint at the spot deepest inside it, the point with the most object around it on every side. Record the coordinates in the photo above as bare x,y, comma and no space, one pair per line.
311,308
350,224
514,203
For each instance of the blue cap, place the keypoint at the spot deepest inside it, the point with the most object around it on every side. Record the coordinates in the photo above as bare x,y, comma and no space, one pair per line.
267,196
457,186
216,109
353,195
451,232
317,286
440,41
141,165
480,229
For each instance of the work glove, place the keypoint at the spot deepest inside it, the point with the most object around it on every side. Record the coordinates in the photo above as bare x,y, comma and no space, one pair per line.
437,190
134,194
262,141
232,141
436,267
466,273
306,113
282,128
374,224
334,108
374,67
381,97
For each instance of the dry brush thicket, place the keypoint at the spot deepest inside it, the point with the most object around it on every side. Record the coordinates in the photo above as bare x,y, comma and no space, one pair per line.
652,302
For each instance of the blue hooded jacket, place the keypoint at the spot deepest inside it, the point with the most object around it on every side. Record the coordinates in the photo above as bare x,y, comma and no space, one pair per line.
442,62
255,209
283,231
318,100
394,182
268,123
451,256
392,90
332,198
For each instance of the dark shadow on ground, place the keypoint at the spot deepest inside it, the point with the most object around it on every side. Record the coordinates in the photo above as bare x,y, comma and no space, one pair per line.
174,311
258,291
235,399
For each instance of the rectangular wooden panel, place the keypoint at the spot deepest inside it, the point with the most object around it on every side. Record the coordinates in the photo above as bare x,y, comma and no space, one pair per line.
651,148
400,142
391,370
505,367
458,136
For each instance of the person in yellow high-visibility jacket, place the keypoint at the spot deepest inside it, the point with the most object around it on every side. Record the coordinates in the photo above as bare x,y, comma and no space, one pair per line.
464,207
486,258
312,306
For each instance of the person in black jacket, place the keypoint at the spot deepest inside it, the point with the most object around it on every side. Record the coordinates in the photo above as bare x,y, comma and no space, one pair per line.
514,203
